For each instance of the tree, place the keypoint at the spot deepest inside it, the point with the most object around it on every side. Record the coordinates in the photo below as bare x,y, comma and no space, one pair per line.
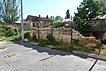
9,11
39,15
88,10
67,14
58,24
58,18
47,16
0,11
102,6
51,17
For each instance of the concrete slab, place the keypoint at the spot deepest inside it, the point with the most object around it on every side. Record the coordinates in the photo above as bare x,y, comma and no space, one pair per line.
26,57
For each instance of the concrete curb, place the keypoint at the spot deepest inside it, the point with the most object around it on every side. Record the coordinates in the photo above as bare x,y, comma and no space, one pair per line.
95,56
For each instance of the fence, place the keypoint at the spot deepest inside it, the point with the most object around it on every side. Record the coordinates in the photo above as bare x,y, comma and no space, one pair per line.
64,34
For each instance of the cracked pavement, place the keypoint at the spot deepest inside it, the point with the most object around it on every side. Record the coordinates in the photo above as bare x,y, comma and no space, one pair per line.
27,57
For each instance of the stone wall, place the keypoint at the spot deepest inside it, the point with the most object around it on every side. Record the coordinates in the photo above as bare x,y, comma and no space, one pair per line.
64,34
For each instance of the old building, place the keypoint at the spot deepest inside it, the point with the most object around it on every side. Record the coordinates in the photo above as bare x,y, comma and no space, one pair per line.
35,22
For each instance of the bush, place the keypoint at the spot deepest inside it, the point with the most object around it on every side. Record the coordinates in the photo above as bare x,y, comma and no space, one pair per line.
26,34
58,24
43,42
11,32
17,38
16,31
49,41
7,31
79,47
34,38
104,42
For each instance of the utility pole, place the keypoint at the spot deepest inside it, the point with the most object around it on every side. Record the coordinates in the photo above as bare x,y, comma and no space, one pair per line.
22,22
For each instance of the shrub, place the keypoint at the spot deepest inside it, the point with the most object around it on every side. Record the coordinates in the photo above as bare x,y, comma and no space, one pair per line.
58,24
51,40
34,38
17,38
104,42
16,31
7,31
11,32
79,47
26,34
43,42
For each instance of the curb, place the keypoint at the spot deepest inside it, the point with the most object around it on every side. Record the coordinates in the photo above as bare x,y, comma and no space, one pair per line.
95,56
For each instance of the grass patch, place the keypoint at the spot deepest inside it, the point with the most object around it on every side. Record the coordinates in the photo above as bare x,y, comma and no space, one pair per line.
11,38
49,41
63,46
103,52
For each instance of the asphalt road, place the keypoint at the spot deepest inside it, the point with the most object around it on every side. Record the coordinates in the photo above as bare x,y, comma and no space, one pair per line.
26,57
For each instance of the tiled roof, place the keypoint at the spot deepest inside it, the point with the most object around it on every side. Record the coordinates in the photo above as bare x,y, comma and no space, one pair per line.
35,18
32,18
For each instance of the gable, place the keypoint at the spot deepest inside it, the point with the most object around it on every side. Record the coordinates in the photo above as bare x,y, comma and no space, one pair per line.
32,18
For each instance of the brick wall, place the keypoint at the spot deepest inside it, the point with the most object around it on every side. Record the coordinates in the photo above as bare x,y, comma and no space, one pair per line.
64,34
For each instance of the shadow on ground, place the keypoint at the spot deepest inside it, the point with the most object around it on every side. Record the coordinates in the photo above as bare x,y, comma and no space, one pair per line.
49,50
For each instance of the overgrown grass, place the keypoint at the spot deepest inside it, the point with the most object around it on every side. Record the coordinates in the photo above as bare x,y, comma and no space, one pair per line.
11,38
68,47
49,41
9,34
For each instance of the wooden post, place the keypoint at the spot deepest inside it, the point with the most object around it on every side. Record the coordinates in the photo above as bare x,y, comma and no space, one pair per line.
38,33
71,36
101,24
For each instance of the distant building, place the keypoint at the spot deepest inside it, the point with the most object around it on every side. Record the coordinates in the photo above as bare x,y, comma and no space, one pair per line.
99,27
35,22
69,23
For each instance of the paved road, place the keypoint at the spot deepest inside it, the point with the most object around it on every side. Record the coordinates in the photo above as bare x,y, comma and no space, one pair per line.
26,57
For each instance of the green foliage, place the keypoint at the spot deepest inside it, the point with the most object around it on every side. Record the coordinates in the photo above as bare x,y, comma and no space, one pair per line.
88,10
104,42
76,46
26,34
49,41
9,34
43,42
11,38
79,47
58,24
102,6
34,38
58,18
16,32
85,29
7,31
9,11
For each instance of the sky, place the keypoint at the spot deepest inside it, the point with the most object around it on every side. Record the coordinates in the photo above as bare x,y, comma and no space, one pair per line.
49,7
